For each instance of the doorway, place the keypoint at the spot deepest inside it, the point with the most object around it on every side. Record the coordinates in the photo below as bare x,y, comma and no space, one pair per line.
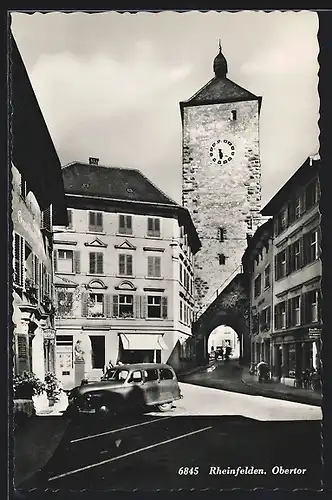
97,351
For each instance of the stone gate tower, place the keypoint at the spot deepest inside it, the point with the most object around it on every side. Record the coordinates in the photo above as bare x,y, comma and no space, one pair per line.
221,175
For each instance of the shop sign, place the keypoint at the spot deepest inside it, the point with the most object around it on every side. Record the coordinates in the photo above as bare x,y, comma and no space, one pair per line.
49,333
314,333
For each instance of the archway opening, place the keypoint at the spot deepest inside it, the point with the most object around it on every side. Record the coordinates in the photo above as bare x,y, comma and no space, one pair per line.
222,337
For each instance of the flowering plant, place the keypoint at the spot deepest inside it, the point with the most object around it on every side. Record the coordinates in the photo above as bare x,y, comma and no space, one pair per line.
26,385
53,386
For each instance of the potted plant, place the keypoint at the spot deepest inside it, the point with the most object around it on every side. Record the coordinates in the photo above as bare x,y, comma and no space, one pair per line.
53,388
57,397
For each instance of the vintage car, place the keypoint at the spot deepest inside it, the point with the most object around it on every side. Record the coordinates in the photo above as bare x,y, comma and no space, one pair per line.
124,387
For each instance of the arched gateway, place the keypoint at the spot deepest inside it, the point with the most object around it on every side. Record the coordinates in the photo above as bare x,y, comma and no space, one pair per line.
230,308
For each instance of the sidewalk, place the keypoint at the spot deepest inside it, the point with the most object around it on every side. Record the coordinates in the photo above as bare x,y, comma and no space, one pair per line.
35,442
281,391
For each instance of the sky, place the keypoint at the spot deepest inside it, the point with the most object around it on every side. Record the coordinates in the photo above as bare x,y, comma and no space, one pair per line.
109,84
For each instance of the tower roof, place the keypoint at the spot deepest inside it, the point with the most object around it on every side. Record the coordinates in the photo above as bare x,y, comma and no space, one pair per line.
220,89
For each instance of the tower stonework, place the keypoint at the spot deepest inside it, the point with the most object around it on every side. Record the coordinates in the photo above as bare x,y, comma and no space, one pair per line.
221,176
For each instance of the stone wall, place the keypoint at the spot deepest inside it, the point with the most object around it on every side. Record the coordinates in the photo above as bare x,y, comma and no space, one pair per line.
227,196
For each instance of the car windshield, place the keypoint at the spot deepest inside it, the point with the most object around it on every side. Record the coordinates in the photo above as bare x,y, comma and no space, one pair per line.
118,375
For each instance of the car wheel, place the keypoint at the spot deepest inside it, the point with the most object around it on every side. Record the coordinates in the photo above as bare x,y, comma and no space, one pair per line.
165,406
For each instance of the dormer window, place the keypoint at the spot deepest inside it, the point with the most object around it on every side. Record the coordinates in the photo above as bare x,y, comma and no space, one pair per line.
221,234
222,259
234,114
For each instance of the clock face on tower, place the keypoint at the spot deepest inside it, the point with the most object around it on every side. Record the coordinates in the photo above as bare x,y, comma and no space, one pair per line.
222,151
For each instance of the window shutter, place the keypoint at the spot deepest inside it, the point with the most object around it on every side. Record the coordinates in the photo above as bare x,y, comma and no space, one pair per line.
289,313
121,222
41,277
19,260
115,306
100,263
305,249
150,266
55,261
91,220
164,307
99,222
301,251
70,218
158,266
107,305
150,224
128,222
92,263
121,264
77,262
137,306
319,304
22,260
276,274
319,240
303,309
130,265
157,226
144,306
276,322
85,296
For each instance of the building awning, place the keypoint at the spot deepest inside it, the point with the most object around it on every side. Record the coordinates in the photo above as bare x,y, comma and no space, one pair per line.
143,342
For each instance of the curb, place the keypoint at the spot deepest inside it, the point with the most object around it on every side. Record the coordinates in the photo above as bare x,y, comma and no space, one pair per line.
287,396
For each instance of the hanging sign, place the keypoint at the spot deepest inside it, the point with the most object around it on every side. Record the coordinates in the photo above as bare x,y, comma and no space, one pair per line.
49,333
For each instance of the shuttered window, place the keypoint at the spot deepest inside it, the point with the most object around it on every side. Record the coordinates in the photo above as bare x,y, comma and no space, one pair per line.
19,260
153,227
154,306
310,307
280,311
96,263
310,246
64,261
125,224
96,222
96,305
125,265
154,266
64,303
126,306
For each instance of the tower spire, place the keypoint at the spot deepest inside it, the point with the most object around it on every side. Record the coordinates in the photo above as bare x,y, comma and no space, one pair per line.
220,64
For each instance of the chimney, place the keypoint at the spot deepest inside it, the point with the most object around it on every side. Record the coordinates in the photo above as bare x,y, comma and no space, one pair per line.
313,158
93,161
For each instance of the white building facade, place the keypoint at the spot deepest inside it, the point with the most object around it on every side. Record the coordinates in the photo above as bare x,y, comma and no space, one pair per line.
123,274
